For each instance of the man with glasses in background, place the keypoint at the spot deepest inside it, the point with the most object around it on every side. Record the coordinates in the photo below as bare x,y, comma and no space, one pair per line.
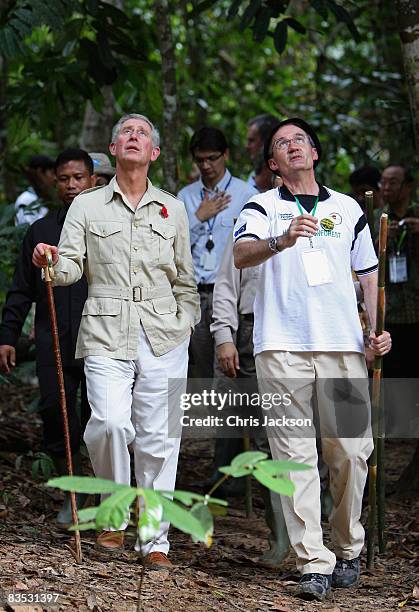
212,204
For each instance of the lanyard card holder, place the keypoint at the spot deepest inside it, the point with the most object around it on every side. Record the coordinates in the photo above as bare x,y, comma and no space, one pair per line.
397,268
316,267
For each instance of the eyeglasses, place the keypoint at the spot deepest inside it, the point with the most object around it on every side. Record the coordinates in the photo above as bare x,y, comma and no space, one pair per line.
130,131
282,144
210,159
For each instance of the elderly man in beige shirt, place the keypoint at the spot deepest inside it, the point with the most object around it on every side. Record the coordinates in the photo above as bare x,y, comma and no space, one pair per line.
132,241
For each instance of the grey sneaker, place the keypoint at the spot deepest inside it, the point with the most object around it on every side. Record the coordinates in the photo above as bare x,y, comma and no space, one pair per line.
346,573
314,586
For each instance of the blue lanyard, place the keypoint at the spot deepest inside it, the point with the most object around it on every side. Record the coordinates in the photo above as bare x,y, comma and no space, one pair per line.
211,225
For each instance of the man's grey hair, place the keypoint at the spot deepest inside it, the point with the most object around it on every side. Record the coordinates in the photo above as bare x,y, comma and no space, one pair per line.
155,136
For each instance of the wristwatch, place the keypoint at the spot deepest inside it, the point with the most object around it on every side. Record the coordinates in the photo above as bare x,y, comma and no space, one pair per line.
273,244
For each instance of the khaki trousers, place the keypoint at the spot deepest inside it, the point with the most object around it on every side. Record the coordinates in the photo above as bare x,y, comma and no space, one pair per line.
307,377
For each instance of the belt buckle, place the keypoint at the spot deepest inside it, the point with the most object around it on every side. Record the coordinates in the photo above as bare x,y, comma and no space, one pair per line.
137,294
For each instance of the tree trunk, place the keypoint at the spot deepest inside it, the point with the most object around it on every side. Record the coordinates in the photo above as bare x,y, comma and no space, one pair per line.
168,74
97,127
408,19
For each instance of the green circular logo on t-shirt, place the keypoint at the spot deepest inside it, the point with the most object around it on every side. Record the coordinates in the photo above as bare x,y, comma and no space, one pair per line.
327,224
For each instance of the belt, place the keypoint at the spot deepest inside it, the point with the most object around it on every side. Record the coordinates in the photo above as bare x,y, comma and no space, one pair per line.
248,316
206,288
134,294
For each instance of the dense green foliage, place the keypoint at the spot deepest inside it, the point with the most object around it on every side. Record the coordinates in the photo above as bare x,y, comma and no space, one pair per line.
343,75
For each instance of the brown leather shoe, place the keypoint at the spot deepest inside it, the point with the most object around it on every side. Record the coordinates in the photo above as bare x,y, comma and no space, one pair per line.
157,561
110,541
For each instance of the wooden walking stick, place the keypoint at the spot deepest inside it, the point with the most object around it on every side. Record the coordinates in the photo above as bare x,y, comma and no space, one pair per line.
49,275
375,463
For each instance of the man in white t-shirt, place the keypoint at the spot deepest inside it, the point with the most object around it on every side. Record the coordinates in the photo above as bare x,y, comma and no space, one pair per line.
307,334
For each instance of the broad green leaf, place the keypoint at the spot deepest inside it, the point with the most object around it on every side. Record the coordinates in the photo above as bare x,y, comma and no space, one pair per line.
284,486
188,498
235,472
342,15
185,497
87,514
114,510
151,515
280,36
218,510
296,25
82,527
250,13
204,516
261,25
277,467
248,458
183,520
85,484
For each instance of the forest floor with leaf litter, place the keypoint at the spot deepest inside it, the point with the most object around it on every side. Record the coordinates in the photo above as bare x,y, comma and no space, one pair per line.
35,556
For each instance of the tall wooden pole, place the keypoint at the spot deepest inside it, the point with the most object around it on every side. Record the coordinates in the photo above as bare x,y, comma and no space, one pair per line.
369,210
377,416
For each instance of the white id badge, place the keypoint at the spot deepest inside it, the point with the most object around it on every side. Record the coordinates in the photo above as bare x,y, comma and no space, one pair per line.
397,268
208,261
316,267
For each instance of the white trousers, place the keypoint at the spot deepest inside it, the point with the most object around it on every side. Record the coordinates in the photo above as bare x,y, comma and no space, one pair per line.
131,401
295,373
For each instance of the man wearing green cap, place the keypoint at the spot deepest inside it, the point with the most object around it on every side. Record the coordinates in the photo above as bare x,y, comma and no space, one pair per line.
308,339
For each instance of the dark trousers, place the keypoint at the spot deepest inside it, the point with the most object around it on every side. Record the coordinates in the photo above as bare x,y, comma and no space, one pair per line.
201,348
50,411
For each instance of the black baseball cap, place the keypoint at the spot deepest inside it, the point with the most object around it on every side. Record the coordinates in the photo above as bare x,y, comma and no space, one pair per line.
306,127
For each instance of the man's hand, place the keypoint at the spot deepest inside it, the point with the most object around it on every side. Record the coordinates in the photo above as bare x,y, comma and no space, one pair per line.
303,226
412,224
210,207
380,345
7,357
39,259
228,358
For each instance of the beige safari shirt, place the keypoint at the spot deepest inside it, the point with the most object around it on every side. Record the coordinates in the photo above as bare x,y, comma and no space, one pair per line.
234,294
139,269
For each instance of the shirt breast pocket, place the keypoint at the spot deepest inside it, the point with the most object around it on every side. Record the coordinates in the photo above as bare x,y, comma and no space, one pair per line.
164,238
105,241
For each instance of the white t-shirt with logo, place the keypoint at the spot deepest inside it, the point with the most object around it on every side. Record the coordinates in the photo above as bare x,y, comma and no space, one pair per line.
291,315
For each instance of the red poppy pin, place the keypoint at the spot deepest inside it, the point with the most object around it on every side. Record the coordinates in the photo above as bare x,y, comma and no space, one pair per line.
164,212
